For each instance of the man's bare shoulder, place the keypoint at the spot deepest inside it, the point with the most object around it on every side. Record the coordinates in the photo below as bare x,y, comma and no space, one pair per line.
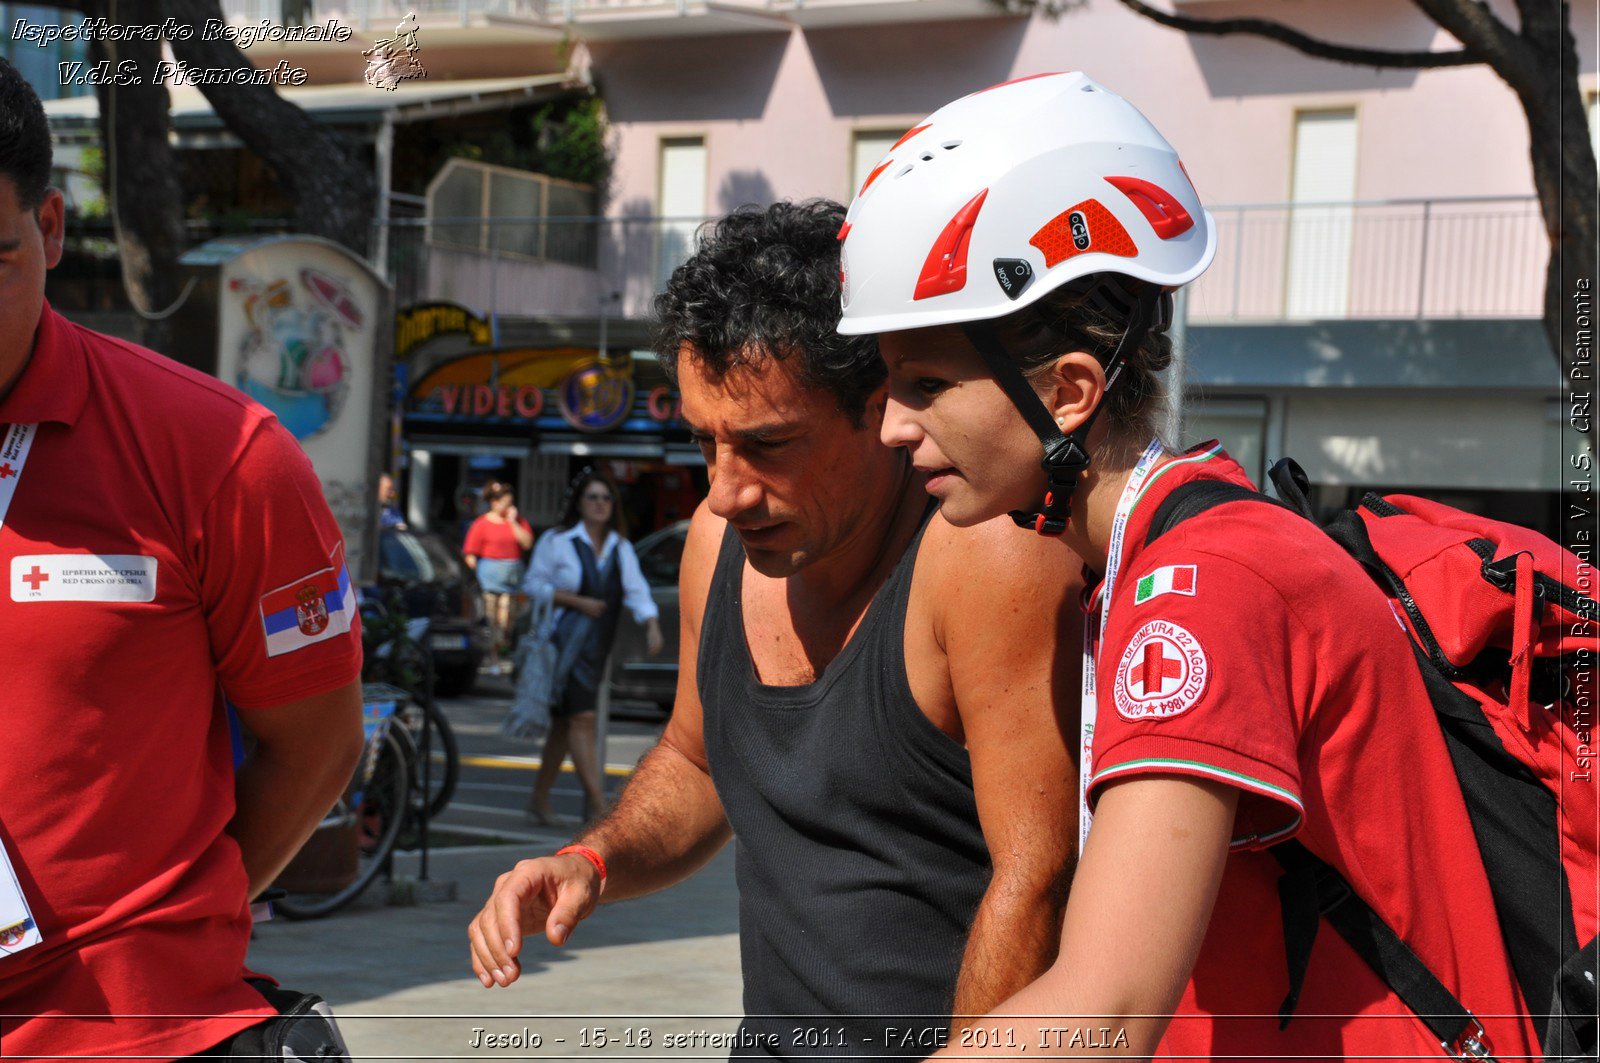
700,551
996,559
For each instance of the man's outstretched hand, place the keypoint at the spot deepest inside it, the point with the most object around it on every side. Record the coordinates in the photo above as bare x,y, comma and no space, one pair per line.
551,894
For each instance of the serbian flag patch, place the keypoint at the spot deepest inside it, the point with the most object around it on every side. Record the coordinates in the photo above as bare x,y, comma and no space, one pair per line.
1172,579
312,609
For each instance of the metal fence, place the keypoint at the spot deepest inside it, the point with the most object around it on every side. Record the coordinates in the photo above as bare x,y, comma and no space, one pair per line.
382,14
1435,258
1439,258
536,266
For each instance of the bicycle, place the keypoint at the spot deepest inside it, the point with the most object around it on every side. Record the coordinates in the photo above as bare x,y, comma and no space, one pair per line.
376,805
404,660
392,786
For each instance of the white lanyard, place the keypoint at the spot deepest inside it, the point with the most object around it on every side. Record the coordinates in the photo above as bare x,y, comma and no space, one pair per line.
18,930
1091,637
13,456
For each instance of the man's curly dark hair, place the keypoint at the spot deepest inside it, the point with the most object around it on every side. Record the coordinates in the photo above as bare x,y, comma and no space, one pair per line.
764,283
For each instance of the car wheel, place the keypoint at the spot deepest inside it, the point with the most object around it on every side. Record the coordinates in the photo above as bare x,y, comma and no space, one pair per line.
454,681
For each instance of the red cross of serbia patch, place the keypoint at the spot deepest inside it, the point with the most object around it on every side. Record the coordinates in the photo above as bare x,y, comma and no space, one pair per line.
1162,674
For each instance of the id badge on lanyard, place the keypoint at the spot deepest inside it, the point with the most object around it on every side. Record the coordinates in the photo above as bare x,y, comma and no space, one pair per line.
1094,631
18,930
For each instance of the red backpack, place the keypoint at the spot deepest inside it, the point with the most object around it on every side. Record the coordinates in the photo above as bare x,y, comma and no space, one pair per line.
1506,632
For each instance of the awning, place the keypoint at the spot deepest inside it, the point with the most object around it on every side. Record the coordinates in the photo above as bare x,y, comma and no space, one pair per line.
195,124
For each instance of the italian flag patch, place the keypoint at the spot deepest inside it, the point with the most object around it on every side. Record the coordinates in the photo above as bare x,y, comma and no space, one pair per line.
1172,579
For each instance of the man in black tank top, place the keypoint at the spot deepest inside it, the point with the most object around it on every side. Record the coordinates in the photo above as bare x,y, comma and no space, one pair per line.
855,705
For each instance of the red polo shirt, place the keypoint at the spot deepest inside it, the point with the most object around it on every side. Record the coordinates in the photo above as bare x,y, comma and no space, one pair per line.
162,529
1245,647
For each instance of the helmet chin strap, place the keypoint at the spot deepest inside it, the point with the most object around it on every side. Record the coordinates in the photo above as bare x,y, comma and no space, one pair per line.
1067,456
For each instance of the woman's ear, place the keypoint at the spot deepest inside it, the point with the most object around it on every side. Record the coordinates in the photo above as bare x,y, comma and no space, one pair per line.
1077,385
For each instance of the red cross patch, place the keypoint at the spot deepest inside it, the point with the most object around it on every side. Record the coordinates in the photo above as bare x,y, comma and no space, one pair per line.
1162,673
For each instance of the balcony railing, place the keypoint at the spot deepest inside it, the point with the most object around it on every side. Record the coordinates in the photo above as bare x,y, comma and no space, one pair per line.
382,14
1411,258
614,17
1438,258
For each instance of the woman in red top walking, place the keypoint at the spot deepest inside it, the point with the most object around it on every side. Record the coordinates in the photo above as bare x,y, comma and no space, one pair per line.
494,549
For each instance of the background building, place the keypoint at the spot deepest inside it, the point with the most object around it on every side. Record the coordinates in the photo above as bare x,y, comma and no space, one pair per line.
1373,309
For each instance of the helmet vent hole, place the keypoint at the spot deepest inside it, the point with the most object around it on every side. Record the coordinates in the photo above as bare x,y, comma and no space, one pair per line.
928,157
1087,88
950,145
907,170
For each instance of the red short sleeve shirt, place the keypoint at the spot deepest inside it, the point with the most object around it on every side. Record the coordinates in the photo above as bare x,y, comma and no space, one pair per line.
1244,646
166,543
494,540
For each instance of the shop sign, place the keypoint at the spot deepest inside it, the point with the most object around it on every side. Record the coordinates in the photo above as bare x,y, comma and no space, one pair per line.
597,397
418,324
663,405
481,400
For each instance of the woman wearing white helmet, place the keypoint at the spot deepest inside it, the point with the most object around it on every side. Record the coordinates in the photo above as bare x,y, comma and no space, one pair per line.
1015,253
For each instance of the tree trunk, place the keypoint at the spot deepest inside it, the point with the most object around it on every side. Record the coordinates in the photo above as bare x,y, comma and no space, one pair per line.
1564,175
321,172
146,203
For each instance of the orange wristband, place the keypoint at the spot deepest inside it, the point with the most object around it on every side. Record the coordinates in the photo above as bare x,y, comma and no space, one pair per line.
589,855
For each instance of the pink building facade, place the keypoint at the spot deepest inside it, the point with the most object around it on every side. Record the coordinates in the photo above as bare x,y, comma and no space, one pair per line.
1372,309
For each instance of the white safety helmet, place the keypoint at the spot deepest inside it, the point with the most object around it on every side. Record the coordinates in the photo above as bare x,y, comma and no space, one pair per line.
1004,196
998,199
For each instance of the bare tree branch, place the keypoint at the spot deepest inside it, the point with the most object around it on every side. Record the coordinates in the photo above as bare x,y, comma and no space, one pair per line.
1475,26
1277,31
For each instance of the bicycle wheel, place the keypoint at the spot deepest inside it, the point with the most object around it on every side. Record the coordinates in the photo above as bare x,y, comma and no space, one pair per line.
376,805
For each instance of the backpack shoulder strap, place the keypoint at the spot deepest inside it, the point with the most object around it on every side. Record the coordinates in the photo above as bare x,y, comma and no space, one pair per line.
1196,497
1311,889
1306,879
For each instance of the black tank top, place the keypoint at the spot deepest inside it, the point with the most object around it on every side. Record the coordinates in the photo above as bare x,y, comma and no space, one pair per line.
859,858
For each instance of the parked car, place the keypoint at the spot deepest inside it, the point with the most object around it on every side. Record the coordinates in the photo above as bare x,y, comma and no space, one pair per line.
636,676
436,583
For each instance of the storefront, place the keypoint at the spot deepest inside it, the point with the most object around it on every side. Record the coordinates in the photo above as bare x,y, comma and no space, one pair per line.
530,404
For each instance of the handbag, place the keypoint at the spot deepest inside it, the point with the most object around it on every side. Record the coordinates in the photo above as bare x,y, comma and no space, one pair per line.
535,665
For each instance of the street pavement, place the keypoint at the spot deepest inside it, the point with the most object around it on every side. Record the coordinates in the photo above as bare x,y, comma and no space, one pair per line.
631,977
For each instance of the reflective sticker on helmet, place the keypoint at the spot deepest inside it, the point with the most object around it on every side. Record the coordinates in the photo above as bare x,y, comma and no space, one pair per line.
1080,229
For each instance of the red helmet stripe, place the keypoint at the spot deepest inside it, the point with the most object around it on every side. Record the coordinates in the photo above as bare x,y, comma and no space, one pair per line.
873,176
1165,214
909,134
945,269
1030,77
844,231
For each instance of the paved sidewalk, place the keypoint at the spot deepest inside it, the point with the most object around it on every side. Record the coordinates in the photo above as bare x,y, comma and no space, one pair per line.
400,979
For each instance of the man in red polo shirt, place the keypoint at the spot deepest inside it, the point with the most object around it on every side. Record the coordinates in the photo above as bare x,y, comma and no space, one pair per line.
164,543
